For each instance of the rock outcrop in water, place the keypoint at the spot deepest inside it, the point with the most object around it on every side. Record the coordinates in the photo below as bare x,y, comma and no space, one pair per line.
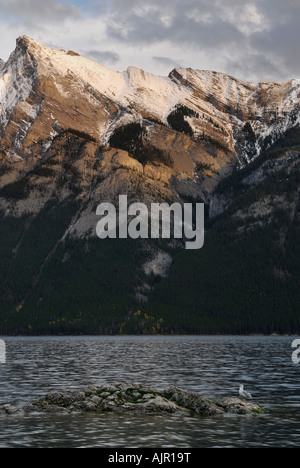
122,397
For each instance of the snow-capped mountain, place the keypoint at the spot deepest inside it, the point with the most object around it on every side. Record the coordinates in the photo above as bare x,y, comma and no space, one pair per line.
42,89
199,126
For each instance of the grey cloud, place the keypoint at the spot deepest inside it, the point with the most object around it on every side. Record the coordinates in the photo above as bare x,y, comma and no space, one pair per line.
33,11
166,61
279,11
264,49
282,44
254,67
181,30
103,56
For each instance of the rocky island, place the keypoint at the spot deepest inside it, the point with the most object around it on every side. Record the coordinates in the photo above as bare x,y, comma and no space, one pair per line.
124,397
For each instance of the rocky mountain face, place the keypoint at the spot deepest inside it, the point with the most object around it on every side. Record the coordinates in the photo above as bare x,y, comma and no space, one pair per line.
74,133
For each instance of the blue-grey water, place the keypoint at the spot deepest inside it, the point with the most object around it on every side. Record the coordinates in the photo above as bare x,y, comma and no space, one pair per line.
211,366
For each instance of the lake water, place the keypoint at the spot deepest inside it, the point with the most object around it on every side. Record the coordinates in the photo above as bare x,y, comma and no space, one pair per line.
211,366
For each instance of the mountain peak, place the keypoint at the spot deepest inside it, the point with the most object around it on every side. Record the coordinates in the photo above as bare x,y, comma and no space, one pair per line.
24,42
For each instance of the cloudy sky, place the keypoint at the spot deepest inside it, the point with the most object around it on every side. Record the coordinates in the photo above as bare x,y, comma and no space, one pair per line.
250,39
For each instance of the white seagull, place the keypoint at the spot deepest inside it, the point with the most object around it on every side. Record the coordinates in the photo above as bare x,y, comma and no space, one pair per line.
243,393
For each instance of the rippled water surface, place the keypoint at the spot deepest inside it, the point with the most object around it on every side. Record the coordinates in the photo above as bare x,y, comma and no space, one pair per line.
211,366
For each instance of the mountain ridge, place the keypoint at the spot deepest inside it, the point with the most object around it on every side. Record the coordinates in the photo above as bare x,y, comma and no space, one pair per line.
223,102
